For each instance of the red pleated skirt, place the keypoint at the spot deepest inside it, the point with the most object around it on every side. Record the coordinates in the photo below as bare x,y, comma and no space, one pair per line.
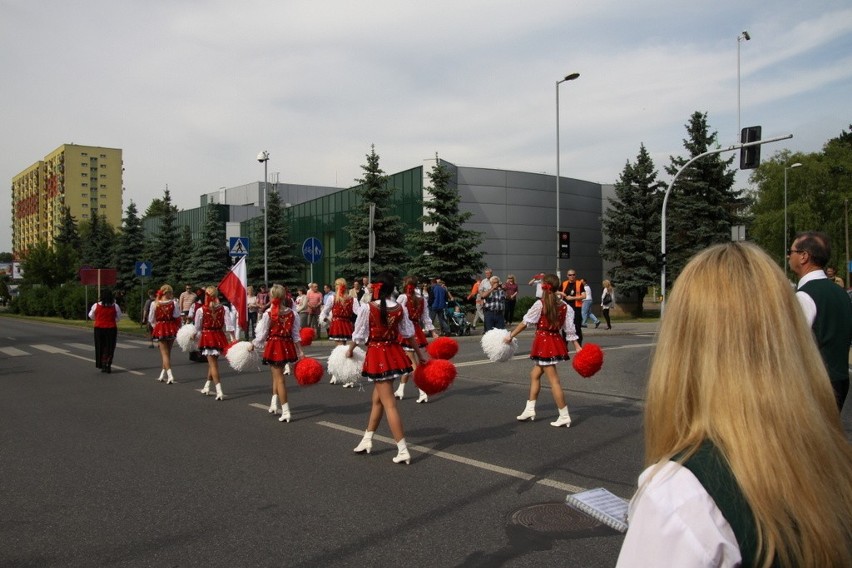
548,348
385,361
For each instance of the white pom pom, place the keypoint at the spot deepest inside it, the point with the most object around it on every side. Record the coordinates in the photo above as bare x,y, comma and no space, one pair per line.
346,369
242,356
186,338
495,348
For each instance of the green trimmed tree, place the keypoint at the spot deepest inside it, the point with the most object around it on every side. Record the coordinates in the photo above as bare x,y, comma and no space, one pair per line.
631,224
98,242
702,206
161,246
283,264
130,248
446,249
210,260
390,256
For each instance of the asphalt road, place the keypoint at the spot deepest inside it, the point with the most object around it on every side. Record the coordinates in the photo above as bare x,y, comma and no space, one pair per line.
121,470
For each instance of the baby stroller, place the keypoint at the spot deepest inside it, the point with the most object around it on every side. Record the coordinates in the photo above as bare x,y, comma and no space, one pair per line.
455,315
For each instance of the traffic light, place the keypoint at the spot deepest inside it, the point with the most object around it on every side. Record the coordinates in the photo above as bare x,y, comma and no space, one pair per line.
750,157
564,244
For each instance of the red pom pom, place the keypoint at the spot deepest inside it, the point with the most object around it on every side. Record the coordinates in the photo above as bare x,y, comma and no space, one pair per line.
308,371
434,376
588,361
443,348
306,334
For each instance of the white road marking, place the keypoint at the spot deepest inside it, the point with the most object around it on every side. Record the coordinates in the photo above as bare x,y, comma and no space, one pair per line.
466,461
13,351
83,346
48,348
526,356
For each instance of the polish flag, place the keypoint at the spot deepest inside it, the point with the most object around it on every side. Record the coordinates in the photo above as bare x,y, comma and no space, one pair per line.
234,287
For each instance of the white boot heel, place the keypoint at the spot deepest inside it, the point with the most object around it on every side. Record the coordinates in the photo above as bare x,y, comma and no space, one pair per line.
273,405
206,390
171,378
402,456
285,413
219,394
162,376
528,413
563,420
400,391
366,444
423,397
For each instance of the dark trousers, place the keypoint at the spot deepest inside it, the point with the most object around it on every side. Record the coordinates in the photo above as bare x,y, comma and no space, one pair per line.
606,317
509,312
494,320
578,323
105,338
841,389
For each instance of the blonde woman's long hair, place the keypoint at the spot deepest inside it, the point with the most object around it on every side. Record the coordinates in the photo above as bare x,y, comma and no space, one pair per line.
744,373
549,299
340,296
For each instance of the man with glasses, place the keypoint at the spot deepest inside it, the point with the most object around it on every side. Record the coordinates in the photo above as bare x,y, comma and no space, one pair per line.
826,306
574,292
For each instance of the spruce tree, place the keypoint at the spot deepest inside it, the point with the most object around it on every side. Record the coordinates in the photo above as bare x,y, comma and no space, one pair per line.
68,232
99,240
283,265
389,229
183,256
210,260
159,251
448,250
130,248
632,226
703,205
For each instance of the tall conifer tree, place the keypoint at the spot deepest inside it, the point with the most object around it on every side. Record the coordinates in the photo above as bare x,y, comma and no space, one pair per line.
130,248
632,226
390,256
210,260
447,250
159,251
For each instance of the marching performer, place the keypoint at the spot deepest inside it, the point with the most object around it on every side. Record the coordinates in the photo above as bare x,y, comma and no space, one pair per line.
341,307
379,325
210,327
277,333
164,316
420,320
551,316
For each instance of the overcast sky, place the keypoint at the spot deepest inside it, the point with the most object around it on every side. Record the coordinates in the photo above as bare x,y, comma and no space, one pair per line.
192,90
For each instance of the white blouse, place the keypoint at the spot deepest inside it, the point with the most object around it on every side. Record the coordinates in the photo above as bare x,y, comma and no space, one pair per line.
675,522
425,320
261,330
533,315
362,324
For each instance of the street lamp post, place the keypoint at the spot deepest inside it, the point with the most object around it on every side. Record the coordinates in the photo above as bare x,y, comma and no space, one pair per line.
790,167
743,36
264,157
570,77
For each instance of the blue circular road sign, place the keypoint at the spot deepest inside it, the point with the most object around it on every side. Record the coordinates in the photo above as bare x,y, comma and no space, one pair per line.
312,250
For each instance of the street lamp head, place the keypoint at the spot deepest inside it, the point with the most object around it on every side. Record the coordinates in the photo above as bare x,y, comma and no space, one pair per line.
263,156
796,165
570,77
744,36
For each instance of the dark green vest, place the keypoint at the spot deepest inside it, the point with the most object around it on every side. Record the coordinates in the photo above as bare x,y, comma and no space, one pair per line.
832,325
713,472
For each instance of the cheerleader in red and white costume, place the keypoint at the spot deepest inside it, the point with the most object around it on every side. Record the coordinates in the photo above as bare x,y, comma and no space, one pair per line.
341,307
165,317
379,325
551,316
210,328
420,320
277,333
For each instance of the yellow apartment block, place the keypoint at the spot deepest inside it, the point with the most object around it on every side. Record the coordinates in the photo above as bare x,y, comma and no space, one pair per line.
85,179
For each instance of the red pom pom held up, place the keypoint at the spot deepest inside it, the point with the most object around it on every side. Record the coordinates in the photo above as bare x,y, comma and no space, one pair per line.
308,371
434,376
588,361
443,348
306,334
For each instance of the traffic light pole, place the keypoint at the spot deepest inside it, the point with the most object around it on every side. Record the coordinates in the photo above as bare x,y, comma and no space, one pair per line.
732,148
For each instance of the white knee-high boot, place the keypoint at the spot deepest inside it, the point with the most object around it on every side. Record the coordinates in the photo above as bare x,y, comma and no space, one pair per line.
564,419
529,412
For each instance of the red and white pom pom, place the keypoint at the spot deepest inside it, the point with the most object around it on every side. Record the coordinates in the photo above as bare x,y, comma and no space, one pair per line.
588,361
346,369
308,371
241,356
307,334
443,348
495,347
434,376
186,338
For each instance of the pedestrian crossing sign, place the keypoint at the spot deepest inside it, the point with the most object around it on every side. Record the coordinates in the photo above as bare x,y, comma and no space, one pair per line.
238,246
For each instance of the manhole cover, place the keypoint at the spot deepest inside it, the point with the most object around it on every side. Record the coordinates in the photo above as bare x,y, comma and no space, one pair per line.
555,519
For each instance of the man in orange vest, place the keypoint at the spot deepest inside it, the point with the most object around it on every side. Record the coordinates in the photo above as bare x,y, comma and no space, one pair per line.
573,292
474,295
